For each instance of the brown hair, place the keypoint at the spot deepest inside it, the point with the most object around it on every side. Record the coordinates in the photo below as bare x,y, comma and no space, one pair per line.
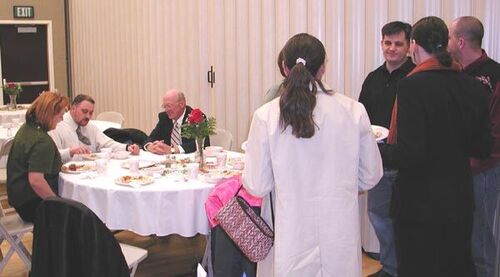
80,98
432,34
45,107
298,98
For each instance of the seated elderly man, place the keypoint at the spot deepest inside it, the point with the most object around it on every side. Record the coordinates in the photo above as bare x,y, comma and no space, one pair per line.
166,138
75,135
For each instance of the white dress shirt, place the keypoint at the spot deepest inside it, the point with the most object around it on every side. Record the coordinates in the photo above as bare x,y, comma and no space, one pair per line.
65,137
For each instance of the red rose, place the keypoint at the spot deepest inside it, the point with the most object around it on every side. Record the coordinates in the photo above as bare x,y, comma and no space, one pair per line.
196,116
11,85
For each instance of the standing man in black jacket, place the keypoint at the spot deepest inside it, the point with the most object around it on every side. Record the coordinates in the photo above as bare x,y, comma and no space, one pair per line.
378,94
166,137
465,38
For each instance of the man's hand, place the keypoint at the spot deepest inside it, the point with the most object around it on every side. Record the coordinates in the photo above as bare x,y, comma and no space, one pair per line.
134,149
79,149
159,147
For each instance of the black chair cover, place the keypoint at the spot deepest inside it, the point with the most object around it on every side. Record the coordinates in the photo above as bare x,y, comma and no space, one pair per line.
127,135
70,240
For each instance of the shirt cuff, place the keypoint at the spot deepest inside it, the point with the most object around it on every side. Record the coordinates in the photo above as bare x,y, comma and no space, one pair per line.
181,150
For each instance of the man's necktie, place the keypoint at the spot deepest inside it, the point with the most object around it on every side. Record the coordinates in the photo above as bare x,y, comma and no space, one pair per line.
81,137
176,135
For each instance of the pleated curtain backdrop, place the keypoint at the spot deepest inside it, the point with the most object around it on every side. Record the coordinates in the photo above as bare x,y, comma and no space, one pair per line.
127,53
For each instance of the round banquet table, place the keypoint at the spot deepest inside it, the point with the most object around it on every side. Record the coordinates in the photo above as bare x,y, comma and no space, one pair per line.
6,116
170,205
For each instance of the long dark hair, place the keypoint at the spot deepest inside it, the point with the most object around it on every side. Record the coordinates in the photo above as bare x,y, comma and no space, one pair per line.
432,34
303,56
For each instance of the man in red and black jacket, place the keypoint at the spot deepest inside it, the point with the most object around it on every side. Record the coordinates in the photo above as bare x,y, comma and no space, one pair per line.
465,37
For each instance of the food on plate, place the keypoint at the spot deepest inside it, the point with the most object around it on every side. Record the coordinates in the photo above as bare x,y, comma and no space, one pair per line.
139,179
74,167
377,134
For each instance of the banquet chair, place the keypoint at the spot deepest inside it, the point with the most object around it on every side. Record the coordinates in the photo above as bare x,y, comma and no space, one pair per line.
70,240
112,117
222,138
12,230
4,152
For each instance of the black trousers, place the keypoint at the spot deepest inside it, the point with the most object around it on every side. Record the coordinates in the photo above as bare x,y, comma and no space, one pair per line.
28,211
434,249
227,258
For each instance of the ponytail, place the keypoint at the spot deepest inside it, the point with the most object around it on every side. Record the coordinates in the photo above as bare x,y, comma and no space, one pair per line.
298,101
443,56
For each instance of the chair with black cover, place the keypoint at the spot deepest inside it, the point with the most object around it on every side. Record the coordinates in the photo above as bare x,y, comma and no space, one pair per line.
70,240
127,135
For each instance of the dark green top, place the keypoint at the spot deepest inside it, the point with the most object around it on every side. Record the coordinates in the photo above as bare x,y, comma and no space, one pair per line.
32,151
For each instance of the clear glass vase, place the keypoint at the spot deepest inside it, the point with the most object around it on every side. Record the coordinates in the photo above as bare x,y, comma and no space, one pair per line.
13,101
200,156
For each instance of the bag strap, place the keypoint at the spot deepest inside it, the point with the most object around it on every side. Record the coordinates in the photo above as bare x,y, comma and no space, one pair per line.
272,208
270,198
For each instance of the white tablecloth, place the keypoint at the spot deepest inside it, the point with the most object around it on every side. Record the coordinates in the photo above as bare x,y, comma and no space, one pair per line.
5,134
168,206
103,125
7,116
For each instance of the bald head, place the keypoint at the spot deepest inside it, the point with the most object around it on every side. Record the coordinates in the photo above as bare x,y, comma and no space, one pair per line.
174,103
470,29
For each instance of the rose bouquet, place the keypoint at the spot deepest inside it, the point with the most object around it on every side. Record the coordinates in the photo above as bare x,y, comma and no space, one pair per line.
12,88
198,127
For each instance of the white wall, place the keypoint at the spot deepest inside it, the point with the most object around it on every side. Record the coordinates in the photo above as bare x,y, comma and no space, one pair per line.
127,53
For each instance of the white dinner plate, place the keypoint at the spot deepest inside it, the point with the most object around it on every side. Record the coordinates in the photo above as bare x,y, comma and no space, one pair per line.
134,180
79,167
216,175
92,156
244,146
380,132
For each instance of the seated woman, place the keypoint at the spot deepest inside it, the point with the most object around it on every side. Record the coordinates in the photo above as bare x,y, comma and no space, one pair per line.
34,162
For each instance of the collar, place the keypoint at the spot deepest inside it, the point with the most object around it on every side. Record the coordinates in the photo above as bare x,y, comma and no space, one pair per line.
482,59
69,120
180,119
407,66
432,64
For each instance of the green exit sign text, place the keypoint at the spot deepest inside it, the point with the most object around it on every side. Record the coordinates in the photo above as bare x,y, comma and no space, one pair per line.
24,12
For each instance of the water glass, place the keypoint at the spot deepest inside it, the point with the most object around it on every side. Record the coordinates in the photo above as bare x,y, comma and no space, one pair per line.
101,166
133,165
193,170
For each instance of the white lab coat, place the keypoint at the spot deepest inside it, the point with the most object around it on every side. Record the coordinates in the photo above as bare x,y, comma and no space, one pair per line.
315,185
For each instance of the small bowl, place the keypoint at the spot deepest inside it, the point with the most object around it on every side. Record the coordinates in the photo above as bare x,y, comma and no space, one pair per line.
214,149
121,155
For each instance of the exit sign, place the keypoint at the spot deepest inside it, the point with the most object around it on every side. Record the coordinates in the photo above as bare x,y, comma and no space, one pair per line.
24,12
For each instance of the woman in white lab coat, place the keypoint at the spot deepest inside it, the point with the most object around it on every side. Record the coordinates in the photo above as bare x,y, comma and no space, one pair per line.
314,149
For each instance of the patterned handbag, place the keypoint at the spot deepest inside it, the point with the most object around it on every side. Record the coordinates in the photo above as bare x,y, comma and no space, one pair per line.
248,230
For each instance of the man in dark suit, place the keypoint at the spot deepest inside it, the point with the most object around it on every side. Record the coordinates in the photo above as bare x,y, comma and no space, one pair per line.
166,137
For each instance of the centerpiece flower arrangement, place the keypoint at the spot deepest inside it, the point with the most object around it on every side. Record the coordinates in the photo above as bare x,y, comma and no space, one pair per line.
13,90
198,127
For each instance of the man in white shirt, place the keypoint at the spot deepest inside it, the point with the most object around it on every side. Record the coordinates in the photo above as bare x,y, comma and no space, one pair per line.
74,135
